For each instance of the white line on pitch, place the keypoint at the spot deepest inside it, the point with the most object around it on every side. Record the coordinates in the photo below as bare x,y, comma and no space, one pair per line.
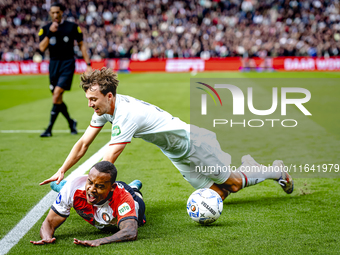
13,237
39,131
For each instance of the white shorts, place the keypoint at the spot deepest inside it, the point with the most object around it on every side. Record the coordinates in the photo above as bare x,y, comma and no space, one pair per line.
206,163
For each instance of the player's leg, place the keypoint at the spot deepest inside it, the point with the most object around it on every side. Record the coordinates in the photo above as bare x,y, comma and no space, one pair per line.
53,70
221,190
198,180
56,108
136,185
65,81
207,162
211,161
251,173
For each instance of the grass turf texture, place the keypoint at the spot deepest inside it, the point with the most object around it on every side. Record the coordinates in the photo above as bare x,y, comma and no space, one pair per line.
260,219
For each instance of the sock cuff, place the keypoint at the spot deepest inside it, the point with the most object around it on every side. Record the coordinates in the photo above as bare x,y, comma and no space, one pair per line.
244,180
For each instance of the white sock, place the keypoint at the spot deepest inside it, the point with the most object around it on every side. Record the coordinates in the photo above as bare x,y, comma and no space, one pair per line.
253,173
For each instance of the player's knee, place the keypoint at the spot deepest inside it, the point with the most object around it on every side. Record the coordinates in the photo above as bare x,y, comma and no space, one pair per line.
223,195
222,192
234,188
57,98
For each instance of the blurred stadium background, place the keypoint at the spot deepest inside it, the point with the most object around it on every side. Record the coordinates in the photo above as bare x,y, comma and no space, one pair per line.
236,34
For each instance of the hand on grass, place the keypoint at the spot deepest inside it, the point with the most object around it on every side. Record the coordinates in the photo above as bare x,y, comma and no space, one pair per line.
44,241
92,243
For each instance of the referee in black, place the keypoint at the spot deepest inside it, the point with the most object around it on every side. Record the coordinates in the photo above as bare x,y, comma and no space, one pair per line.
59,37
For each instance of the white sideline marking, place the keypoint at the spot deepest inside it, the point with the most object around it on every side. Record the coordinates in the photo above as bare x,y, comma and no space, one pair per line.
40,131
13,237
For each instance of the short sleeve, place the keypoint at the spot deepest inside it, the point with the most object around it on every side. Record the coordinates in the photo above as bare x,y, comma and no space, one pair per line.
64,201
42,33
123,130
79,34
97,121
126,210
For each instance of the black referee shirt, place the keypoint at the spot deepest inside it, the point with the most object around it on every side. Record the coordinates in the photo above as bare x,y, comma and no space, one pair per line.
62,42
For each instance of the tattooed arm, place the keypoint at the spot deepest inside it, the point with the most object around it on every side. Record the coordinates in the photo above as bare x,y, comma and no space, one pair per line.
127,232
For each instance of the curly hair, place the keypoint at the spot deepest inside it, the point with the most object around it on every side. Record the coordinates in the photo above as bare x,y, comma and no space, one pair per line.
105,78
108,168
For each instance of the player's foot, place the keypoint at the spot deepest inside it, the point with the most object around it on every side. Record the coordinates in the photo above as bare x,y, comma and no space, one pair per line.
136,184
248,160
73,127
285,181
57,187
46,133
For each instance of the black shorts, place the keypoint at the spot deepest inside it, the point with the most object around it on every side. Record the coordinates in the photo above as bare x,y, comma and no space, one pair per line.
61,73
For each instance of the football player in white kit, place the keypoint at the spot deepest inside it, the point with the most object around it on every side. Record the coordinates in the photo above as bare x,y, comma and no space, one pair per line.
187,146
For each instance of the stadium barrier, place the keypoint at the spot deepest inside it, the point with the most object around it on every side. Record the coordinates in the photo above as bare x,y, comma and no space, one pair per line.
185,65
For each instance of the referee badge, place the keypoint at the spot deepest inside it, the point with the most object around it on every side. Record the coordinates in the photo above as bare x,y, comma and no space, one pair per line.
66,39
53,40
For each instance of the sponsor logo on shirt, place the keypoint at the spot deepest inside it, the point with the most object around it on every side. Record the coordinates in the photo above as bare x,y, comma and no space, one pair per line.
41,31
115,130
124,209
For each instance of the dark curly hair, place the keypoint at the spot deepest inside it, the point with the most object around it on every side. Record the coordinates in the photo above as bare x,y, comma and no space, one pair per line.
106,167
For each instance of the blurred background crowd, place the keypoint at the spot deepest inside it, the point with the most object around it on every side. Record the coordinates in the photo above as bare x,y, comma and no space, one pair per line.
143,29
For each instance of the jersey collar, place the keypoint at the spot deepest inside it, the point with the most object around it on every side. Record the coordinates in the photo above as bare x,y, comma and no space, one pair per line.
105,200
116,105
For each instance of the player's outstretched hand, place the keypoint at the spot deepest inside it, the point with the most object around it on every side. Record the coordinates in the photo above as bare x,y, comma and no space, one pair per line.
44,241
92,243
58,176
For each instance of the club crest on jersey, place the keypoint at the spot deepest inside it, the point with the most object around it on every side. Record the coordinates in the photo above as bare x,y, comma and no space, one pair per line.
115,130
66,39
124,209
106,217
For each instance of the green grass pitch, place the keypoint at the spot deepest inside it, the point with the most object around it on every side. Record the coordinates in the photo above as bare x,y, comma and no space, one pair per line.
257,220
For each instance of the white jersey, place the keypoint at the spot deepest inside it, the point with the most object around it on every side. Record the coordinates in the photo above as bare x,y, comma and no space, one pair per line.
135,118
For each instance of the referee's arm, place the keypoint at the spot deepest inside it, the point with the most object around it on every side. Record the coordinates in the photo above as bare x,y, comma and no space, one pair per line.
43,44
85,55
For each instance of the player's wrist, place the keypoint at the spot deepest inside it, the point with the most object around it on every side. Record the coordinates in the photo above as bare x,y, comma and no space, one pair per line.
88,63
49,33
